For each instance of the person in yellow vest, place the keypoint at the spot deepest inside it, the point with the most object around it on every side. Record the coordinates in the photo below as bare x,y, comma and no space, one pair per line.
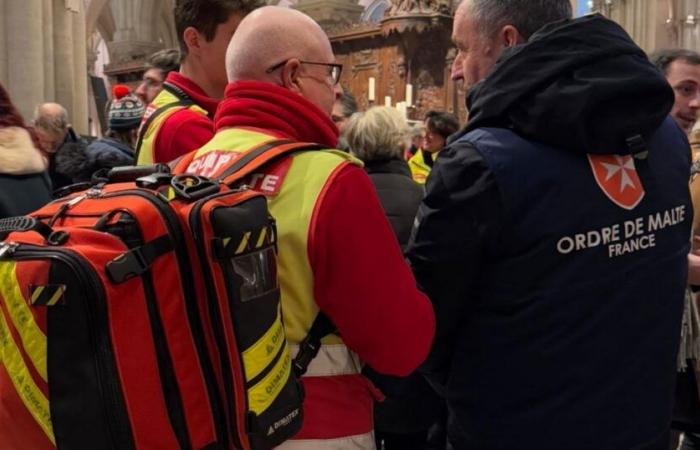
438,127
179,119
158,67
337,251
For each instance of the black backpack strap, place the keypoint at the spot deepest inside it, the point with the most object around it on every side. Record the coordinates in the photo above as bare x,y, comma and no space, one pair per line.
309,347
183,100
254,159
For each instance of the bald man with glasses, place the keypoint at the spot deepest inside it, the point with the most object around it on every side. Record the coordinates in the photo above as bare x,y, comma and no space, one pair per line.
337,253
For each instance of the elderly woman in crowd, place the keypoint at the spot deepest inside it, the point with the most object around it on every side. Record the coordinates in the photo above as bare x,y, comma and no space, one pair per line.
24,183
379,137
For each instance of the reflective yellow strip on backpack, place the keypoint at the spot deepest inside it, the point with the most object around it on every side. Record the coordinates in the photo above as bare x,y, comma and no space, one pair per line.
261,396
244,243
261,354
33,339
30,394
261,239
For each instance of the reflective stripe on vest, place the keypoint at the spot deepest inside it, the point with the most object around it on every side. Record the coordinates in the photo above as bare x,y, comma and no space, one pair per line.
293,207
164,105
419,169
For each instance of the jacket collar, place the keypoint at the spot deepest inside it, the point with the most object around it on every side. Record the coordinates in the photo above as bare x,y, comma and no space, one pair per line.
18,155
275,110
396,166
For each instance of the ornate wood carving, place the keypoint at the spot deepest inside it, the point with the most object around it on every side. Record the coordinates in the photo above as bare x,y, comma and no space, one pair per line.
410,45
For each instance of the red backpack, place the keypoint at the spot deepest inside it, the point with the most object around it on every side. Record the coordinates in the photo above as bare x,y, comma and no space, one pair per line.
146,315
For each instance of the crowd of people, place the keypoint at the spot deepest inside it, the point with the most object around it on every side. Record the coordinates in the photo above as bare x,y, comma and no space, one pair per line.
522,280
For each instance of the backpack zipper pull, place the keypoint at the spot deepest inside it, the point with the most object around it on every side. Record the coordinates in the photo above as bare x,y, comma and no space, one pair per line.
7,249
90,193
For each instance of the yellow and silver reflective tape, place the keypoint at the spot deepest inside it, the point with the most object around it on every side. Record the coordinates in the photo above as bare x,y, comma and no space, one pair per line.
30,394
33,339
261,354
264,393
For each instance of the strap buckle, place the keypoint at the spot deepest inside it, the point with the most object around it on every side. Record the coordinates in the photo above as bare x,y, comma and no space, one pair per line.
308,349
137,260
192,187
127,265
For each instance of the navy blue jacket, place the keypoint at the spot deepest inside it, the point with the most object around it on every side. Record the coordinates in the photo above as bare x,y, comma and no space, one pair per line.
559,292
80,162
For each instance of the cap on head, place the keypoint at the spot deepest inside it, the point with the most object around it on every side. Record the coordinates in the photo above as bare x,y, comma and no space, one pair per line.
126,110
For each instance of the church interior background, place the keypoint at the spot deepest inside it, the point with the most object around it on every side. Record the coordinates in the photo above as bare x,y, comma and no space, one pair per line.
71,51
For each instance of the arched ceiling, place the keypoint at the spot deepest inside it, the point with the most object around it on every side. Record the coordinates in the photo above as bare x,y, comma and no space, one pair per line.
147,20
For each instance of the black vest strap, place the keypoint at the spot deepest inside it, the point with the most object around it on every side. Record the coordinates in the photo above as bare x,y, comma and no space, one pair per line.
183,100
309,347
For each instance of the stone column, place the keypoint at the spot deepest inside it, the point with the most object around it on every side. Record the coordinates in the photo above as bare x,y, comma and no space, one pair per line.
3,45
80,71
24,49
48,63
43,55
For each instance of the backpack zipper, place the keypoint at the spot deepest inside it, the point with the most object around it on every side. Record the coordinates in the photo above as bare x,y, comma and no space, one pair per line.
197,229
117,421
176,233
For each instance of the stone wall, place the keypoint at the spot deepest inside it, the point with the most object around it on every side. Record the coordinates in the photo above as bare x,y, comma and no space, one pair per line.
43,55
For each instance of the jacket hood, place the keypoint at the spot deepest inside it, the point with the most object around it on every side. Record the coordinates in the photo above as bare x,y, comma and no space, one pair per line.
18,155
582,85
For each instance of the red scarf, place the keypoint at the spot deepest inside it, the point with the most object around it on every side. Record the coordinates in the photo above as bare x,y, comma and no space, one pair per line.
275,110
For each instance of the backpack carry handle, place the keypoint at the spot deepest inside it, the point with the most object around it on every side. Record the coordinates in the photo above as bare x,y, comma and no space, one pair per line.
124,174
26,223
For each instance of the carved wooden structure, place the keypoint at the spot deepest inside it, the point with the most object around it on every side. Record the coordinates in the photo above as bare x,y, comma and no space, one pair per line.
411,45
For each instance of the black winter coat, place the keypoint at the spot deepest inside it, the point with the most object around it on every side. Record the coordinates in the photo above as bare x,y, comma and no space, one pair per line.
80,162
24,183
72,144
536,346
398,194
411,405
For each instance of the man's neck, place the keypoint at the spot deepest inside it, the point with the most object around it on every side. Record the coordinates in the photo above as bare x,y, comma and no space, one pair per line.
199,76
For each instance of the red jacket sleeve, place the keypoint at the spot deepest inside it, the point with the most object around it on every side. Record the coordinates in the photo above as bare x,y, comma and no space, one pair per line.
361,280
182,132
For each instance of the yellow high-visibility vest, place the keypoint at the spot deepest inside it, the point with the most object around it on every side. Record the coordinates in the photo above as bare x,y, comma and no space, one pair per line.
419,168
169,101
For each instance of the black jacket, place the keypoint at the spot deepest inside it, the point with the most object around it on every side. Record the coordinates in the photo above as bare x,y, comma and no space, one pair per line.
72,144
24,183
541,344
411,405
80,162
398,194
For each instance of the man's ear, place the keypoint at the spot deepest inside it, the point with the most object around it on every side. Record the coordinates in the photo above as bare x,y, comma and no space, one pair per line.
511,37
193,40
290,75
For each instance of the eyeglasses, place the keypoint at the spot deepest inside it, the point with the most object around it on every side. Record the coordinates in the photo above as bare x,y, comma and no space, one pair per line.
334,69
151,82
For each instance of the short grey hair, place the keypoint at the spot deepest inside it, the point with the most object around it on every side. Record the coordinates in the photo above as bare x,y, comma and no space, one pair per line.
527,16
380,133
52,118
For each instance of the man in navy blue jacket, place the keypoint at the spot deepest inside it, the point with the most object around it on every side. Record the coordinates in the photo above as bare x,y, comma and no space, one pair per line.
553,237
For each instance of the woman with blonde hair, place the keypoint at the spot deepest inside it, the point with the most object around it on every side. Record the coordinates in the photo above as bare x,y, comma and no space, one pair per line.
379,137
